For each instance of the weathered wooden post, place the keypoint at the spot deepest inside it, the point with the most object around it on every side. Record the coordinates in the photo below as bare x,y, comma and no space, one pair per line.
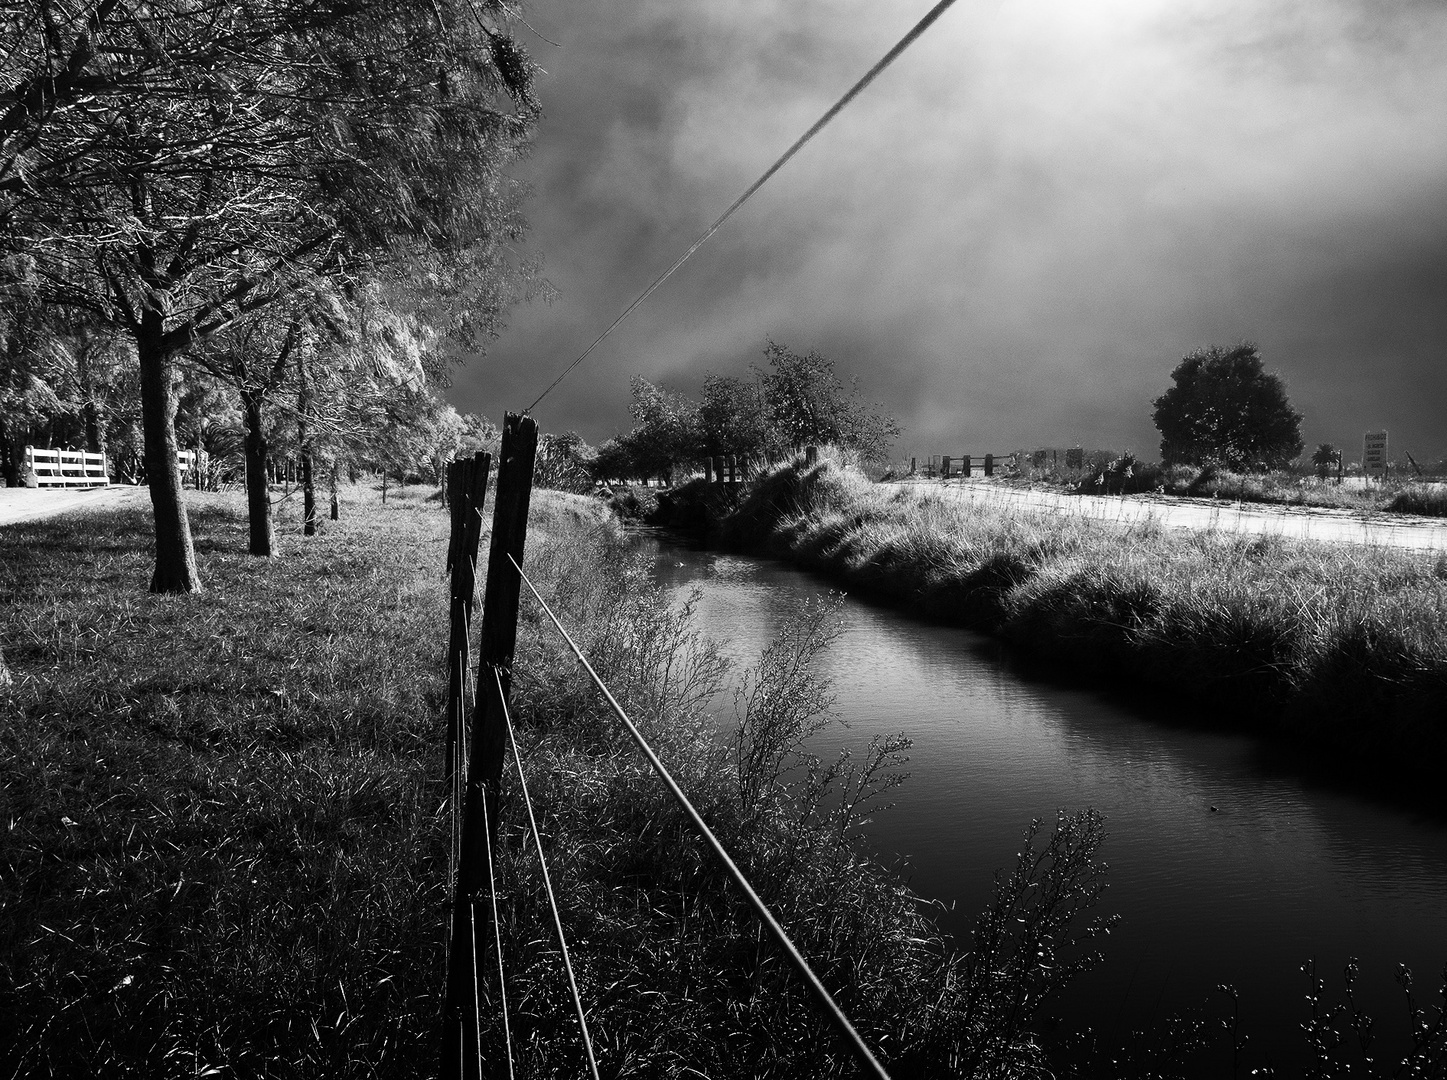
965,465
708,470
911,466
811,456
467,485
718,469
471,907
989,464
945,467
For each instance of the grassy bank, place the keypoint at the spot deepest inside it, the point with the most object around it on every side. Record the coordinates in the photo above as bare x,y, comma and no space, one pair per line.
225,845
1345,648
1126,476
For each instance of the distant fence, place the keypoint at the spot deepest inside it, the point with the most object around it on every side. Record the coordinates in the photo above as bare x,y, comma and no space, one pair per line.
946,466
81,468
66,468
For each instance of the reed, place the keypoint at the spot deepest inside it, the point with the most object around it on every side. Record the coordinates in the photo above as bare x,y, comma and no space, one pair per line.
1339,646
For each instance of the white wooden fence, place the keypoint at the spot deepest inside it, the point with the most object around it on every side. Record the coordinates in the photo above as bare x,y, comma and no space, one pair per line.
79,468
66,468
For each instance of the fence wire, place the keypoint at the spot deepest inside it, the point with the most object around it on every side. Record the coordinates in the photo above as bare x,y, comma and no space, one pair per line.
867,1061
547,881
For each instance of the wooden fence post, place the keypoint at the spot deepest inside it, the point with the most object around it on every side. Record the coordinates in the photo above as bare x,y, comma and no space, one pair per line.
471,906
989,464
965,466
708,470
811,455
945,467
911,466
467,490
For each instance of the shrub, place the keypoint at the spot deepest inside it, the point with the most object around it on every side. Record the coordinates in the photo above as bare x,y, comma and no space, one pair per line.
1426,499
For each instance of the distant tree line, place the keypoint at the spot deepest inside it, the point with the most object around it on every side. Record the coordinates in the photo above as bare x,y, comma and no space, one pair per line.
795,400
271,223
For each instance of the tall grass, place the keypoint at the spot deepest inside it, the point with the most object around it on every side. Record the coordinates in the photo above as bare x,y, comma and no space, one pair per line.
225,840
1345,647
1283,487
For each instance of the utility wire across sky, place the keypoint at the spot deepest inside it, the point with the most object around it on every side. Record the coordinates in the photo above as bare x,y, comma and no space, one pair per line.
834,110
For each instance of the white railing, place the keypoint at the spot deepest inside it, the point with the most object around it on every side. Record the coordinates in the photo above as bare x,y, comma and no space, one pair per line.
67,468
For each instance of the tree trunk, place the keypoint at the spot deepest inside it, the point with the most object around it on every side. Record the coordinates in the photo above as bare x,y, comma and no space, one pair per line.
336,505
304,441
95,428
5,679
384,487
308,493
11,455
175,570
258,483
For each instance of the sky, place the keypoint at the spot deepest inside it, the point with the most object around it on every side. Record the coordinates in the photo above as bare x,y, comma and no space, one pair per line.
1015,233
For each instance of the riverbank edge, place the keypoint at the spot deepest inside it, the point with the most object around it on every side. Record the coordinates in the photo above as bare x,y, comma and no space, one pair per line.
1374,713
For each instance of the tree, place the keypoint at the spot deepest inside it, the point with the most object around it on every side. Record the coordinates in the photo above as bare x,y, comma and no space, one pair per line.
1225,409
808,404
664,432
732,418
1324,457
171,168
254,358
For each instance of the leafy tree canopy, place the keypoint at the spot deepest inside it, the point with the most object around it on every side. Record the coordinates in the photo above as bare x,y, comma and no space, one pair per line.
1225,409
808,403
798,400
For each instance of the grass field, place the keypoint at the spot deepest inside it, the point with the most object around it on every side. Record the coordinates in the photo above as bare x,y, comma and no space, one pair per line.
225,845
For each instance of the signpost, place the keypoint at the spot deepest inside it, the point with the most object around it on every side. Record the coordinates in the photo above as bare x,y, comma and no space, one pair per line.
1374,454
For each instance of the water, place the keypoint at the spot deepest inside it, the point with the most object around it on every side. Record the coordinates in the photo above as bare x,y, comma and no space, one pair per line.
1282,871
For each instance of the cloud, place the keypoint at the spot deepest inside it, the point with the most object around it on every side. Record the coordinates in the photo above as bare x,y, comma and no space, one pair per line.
1018,229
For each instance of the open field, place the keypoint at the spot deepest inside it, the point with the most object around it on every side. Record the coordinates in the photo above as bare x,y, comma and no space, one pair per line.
1370,529
226,845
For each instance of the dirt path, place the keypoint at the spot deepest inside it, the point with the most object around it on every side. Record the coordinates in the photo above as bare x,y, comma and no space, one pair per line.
1295,522
32,504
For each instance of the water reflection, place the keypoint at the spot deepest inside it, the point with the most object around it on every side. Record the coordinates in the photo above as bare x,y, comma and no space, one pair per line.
1224,867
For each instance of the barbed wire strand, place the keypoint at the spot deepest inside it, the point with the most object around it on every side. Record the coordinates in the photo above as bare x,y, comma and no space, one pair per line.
833,111
547,879
497,939
865,1057
476,994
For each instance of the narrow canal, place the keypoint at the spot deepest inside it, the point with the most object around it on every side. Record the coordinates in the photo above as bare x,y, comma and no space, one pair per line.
1227,866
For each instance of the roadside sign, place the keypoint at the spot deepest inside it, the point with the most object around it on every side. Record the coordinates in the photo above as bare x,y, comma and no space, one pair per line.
1374,453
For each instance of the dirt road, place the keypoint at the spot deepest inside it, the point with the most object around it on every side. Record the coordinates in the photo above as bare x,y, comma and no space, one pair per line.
1301,523
31,504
